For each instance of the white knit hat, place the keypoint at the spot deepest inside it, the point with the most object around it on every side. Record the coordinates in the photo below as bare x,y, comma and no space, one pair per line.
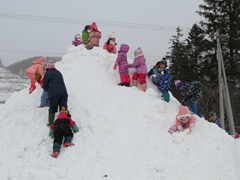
112,35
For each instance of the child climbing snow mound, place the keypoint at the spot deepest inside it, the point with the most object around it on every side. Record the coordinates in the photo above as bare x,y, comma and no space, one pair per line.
62,128
184,121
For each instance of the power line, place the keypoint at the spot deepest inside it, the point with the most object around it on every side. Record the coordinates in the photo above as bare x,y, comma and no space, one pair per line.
86,21
30,52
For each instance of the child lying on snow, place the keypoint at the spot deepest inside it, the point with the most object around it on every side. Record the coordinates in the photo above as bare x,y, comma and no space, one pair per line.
184,121
60,128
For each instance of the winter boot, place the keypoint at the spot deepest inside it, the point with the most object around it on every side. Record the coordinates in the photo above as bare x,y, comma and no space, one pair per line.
55,154
127,84
121,84
144,87
166,97
66,144
50,119
134,83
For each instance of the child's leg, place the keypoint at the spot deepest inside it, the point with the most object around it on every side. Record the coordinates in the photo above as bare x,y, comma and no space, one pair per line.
58,138
63,102
44,99
128,79
123,78
135,80
142,79
195,110
68,135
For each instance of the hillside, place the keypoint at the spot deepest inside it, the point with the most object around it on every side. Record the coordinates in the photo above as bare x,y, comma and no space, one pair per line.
123,132
10,83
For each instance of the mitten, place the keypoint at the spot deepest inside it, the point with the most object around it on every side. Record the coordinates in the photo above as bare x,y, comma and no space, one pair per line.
180,128
75,128
32,88
115,66
51,133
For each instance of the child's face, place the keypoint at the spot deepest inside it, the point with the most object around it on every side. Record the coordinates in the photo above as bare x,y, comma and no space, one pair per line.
162,66
112,39
213,118
184,119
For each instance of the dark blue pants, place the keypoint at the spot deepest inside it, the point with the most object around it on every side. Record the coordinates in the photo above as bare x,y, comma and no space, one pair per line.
56,102
195,109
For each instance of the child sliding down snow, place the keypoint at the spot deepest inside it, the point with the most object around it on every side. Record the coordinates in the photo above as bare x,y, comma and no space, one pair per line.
123,65
61,128
141,67
184,121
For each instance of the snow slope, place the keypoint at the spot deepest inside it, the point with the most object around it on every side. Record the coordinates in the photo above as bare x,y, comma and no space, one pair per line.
123,132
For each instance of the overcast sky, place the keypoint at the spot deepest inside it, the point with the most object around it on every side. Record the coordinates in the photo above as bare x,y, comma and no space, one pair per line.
21,39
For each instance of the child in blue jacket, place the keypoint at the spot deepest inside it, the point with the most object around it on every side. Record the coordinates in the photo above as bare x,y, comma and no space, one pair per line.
213,119
162,78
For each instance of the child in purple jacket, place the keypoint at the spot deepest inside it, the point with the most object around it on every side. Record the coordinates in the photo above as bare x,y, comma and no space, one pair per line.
141,67
123,65
77,41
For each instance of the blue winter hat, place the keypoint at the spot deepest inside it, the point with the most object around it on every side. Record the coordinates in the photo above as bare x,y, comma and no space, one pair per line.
179,84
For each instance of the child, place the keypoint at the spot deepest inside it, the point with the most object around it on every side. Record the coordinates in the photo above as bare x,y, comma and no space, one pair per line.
110,45
141,67
192,93
123,65
237,136
85,33
61,128
184,120
38,64
44,98
77,41
53,83
95,35
162,79
213,119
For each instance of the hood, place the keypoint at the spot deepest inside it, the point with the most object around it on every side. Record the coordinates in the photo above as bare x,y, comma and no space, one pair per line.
76,37
63,116
124,48
183,112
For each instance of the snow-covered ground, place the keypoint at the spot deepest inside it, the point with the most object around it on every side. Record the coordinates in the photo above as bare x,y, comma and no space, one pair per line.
9,83
123,132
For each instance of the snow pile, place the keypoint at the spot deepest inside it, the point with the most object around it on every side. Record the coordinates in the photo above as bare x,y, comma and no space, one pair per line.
123,132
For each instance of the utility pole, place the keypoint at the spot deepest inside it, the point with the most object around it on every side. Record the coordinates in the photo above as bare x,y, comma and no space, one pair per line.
223,86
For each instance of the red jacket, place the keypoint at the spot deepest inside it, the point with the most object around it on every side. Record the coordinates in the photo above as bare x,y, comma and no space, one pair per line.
63,116
110,48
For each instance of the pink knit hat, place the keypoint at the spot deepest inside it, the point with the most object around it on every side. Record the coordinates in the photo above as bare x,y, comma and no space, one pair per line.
138,51
94,26
50,64
43,58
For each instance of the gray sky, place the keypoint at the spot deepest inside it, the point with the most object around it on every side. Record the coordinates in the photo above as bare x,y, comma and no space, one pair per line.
52,39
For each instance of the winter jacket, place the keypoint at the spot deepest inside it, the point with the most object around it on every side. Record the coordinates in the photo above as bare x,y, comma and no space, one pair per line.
237,136
216,121
122,59
85,36
110,48
37,65
60,117
184,112
93,40
77,42
53,83
139,64
191,92
165,80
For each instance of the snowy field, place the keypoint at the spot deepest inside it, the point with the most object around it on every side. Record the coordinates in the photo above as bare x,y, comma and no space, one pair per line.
123,132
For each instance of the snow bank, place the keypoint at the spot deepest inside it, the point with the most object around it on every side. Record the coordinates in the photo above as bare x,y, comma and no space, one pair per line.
123,131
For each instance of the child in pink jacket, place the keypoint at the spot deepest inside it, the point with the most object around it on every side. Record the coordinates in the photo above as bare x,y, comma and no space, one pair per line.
38,64
110,45
123,65
184,120
141,67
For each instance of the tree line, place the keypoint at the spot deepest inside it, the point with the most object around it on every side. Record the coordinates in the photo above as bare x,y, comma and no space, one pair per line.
195,58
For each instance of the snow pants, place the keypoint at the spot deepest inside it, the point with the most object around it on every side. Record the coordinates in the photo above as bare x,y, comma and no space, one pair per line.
194,108
62,130
44,99
174,127
142,79
125,78
56,102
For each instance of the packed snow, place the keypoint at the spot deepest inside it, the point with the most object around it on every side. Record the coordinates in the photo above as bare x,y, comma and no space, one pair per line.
123,132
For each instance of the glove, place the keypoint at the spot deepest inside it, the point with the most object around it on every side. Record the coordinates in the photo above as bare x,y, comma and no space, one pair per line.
32,88
51,133
115,66
75,128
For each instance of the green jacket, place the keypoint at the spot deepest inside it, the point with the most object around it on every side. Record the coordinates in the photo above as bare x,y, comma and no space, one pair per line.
85,36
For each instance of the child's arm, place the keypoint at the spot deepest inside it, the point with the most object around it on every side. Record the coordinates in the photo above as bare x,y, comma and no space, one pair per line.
51,133
74,126
135,64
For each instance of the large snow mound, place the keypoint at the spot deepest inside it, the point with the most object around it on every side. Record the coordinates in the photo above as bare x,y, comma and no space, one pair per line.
123,131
